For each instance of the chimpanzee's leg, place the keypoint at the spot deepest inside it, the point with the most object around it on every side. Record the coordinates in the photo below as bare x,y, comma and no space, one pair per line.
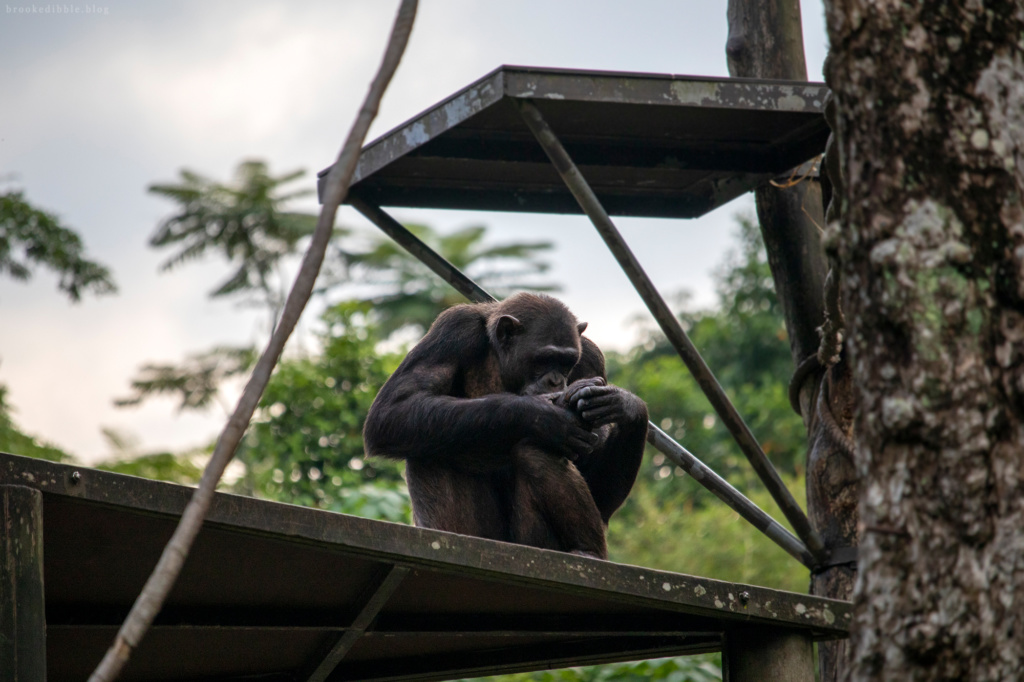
460,502
553,507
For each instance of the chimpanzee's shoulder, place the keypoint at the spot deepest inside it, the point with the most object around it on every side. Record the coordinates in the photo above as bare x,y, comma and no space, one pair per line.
459,333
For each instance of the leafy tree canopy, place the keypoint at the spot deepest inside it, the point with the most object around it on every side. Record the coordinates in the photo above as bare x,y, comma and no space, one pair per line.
306,446
32,237
405,293
245,220
195,382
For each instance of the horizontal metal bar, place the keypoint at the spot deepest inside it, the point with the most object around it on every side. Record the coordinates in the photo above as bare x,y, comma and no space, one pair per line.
658,438
670,325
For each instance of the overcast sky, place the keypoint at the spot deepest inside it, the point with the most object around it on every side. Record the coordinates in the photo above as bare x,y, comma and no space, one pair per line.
99,103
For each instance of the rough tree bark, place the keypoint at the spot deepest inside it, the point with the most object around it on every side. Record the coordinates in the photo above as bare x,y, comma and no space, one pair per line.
766,41
930,99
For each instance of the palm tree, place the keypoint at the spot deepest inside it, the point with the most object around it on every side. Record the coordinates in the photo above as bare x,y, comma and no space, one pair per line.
405,293
244,220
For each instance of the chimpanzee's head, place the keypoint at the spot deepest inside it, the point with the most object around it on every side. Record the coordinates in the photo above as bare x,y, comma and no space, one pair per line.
537,341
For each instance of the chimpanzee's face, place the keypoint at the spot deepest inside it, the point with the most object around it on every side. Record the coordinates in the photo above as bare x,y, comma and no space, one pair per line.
538,358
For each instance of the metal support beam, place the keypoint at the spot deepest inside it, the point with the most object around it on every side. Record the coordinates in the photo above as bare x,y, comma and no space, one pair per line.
22,609
670,325
426,255
655,436
759,654
378,597
736,500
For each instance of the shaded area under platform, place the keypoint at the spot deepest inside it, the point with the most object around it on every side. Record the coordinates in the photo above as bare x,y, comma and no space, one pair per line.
652,145
274,592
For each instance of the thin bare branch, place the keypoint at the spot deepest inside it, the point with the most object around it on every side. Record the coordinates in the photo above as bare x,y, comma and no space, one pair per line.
152,597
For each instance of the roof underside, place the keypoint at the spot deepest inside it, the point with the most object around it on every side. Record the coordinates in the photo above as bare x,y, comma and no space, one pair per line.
649,145
269,588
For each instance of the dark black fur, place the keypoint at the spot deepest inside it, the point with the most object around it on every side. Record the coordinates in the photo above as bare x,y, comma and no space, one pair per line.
508,429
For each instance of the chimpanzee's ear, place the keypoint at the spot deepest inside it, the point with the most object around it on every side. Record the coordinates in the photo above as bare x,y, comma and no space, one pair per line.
507,327
581,327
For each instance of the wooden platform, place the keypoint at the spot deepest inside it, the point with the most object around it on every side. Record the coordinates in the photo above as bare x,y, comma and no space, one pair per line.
275,592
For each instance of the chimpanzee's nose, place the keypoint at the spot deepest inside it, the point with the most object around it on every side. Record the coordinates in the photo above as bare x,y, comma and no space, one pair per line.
556,381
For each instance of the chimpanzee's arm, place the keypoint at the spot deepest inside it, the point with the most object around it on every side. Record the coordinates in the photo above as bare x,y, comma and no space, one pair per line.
420,414
621,418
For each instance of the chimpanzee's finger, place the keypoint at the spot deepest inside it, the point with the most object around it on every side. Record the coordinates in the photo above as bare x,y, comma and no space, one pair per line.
576,387
579,442
588,392
602,416
598,401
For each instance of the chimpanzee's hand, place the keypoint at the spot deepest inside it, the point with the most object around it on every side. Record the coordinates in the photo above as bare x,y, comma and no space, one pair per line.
556,429
599,404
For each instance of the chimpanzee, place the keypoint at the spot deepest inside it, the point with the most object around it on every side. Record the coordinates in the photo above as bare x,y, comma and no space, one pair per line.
508,428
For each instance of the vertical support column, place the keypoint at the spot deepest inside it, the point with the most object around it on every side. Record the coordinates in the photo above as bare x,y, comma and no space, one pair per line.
755,655
22,612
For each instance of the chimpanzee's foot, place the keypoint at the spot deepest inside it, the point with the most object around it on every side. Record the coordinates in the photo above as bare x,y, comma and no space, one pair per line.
590,555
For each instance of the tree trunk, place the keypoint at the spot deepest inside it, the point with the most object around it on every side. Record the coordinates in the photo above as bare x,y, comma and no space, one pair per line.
930,101
766,41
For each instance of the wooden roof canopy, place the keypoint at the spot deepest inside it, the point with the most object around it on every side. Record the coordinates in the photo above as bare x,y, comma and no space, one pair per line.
650,145
279,592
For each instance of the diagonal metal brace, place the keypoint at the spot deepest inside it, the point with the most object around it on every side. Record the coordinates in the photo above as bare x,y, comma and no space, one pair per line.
378,596
418,249
655,436
670,325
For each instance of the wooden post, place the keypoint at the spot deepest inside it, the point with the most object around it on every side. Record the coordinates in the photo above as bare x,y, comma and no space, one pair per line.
22,613
755,655
766,41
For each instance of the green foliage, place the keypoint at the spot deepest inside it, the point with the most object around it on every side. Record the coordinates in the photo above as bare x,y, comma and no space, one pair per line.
245,220
683,530
196,381
184,468
306,446
744,343
161,466
705,668
408,294
16,442
29,237
746,336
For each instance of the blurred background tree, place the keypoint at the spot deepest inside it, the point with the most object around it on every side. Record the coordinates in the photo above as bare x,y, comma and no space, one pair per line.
405,294
32,238
245,220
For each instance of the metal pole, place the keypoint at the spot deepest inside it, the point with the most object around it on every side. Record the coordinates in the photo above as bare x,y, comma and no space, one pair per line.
426,255
655,436
376,599
670,325
736,500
